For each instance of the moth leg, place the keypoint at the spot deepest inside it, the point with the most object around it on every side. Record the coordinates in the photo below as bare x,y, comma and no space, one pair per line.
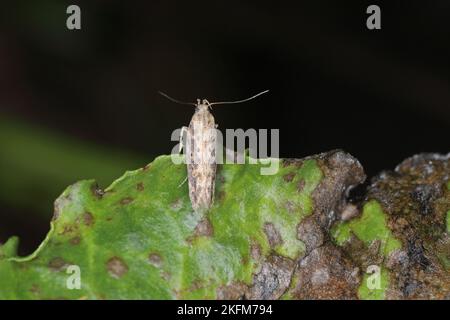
184,181
183,130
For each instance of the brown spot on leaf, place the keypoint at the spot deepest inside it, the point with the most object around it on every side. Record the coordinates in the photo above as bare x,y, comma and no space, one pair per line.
68,228
126,200
88,219
289,177
147,167
204,228
75,241
116,267
35,289
140,186
255,251
196,285
165,275
300,185
155,259
272,234
56,264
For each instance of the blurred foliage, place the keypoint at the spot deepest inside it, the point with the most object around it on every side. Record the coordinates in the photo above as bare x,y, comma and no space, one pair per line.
36,164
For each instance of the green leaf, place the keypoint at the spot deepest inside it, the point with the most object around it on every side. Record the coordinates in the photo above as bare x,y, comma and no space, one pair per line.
140,238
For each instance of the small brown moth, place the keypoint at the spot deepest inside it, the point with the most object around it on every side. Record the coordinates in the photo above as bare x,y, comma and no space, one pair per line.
201,151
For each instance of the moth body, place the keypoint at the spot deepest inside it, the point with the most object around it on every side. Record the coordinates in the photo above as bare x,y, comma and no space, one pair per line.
201,157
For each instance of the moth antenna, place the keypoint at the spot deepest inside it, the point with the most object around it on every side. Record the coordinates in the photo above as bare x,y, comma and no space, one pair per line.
239,101
175,100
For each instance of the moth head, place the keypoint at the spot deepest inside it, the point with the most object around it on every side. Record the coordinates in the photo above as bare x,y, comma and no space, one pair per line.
202,105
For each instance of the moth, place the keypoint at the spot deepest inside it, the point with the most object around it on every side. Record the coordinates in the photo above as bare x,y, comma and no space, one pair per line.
200,151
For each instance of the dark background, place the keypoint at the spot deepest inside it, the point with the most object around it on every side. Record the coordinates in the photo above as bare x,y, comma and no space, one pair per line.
84,104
